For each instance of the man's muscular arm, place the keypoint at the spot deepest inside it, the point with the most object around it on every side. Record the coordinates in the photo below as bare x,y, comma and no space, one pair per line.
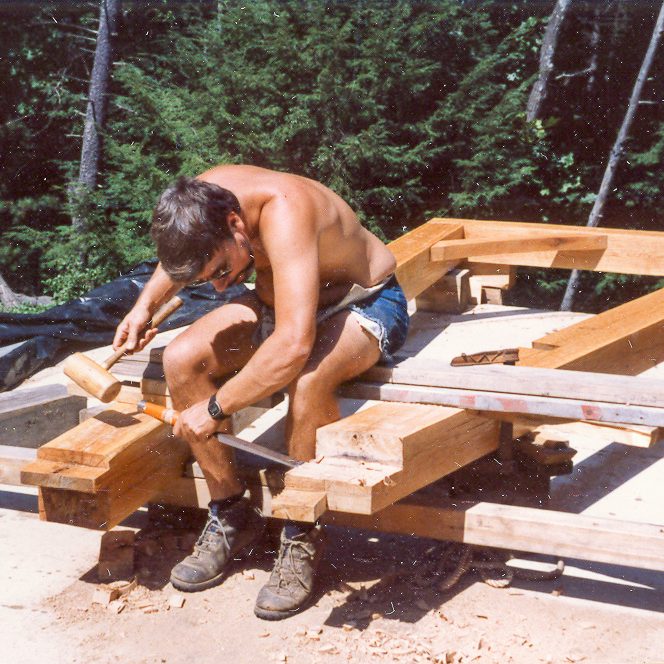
158,290
289,237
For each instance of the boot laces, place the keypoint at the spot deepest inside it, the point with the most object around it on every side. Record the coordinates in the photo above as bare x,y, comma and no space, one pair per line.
290,571
209,538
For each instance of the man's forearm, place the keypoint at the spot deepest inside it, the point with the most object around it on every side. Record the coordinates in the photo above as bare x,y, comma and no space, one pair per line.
273,366
158,290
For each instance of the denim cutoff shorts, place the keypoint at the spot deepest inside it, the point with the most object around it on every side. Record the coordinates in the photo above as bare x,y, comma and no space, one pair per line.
383,313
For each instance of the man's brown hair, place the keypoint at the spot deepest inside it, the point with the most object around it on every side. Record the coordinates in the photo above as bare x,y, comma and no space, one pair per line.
189,224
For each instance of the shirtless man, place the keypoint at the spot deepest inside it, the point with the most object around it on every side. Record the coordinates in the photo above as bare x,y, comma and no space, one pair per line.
308,249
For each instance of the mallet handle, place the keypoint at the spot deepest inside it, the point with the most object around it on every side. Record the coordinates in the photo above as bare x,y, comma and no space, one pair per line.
159,317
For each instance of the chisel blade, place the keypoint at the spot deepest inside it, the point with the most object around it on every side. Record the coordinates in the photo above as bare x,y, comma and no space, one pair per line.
258,450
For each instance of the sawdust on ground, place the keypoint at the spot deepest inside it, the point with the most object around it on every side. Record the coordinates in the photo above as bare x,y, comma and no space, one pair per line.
378,599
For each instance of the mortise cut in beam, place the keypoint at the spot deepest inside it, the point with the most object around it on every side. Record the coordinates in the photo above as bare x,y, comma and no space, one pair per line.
415,271
450,250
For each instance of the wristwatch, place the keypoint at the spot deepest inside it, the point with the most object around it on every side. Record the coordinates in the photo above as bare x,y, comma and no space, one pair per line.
215,410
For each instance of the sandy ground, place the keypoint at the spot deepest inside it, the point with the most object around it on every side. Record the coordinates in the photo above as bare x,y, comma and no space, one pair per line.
377,600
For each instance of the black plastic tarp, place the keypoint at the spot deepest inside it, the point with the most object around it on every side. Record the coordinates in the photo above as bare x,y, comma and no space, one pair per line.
31,342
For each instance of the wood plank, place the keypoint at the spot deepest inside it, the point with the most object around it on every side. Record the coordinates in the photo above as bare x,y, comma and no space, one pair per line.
472,249
627,251
626,339
520,380
507,404
602,434
415,270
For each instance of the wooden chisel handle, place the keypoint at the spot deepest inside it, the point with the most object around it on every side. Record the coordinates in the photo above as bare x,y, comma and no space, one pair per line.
170,416
167,415
159,317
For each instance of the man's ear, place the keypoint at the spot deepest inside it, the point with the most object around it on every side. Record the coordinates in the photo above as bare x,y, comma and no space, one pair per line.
233,220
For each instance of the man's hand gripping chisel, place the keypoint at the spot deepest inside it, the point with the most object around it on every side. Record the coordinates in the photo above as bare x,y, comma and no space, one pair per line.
170,416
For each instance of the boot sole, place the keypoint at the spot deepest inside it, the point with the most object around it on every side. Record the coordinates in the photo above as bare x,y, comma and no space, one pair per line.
188,587
267,614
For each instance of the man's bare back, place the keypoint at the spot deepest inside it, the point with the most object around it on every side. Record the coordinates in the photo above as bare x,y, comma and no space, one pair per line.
347,252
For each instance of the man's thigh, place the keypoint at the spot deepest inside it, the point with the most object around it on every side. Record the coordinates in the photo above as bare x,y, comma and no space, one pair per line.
343,350
222,341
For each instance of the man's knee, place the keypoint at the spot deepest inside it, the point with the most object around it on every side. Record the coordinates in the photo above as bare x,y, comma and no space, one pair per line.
311,384
180,358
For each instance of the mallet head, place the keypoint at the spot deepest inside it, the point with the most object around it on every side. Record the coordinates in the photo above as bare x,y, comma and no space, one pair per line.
95,380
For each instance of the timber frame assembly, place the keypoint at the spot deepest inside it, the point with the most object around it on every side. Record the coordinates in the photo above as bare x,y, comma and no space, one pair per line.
429,419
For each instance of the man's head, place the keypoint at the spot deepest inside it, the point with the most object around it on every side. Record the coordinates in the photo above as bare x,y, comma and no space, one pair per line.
190,224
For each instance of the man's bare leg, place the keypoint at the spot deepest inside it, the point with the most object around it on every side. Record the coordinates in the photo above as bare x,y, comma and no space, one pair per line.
342,351
214,346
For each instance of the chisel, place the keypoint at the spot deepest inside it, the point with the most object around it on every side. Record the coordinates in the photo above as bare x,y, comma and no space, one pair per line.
170,416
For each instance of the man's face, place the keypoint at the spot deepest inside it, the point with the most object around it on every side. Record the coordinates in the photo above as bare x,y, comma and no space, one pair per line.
231,264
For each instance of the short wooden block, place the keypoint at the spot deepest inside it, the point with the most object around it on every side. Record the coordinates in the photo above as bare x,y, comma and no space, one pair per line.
299,505
104,469
451,294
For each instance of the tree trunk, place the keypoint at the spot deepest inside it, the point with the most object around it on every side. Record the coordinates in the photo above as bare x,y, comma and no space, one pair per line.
549,43
617,151
109,12
10,299
595,35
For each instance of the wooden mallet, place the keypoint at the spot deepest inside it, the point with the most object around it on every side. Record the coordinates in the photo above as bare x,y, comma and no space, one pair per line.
96,379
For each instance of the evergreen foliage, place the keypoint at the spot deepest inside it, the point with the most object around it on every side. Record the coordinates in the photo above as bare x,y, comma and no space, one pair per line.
406,109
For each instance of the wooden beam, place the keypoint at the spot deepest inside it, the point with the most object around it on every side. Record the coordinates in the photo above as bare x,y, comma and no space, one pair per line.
415,271
527,243
509,527
522,529
105,468
450,294
30,417
627,251
627,339
385,433
451,439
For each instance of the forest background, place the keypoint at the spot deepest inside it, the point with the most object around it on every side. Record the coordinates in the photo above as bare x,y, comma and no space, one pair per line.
407,109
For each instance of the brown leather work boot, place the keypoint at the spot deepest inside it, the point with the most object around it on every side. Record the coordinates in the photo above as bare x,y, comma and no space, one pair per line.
291,583
226,532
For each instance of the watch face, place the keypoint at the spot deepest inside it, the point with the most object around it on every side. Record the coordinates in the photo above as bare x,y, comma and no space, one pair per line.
213,407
